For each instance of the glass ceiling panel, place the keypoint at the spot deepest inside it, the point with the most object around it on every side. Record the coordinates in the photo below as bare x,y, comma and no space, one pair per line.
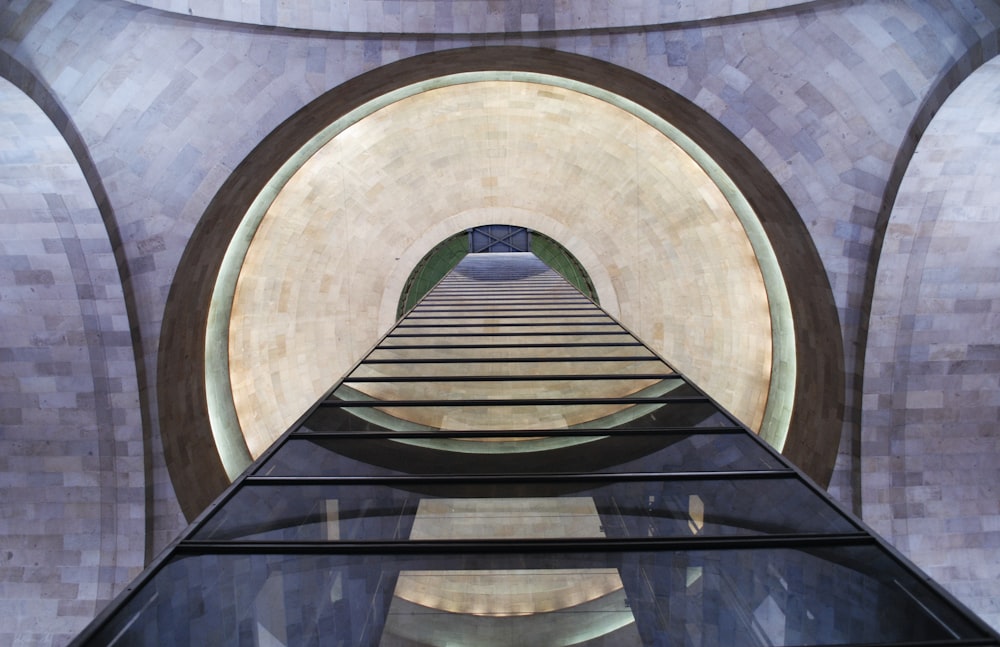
475,387
603,367
514,351
698,598
436,455
550,509
460,416
587,495
533,335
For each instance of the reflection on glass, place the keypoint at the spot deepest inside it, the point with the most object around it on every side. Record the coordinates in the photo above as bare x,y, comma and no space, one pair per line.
524,350
730,598
514,607
553,522
623,367
620,453
524,510
504,387
463,416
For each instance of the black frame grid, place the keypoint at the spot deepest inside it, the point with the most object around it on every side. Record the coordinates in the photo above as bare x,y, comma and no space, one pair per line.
706,569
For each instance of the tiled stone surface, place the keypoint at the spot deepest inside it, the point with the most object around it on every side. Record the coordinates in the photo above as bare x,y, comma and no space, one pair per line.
932,373
463,16
72,512
168,106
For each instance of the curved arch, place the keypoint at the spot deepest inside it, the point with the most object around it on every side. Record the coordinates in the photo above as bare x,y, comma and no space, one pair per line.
196,469
68,375
930,387
643,204
471,17
22,78
980,52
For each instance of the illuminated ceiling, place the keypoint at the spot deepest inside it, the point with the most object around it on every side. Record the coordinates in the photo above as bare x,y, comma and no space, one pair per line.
672,248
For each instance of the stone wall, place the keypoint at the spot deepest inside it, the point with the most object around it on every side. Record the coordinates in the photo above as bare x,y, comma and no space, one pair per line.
931,481
72,514
465,16
160,109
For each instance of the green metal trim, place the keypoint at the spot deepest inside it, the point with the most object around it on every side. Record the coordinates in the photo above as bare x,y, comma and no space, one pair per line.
431,269
562,261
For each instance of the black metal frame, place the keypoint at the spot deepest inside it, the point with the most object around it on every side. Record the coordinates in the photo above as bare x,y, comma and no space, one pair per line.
185,545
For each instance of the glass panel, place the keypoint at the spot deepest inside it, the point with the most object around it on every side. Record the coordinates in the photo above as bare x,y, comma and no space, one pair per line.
519,318
605,387
549,367
528,510
510,330
616,454
514,351
730,598
527,299
545,310
459,416
562,336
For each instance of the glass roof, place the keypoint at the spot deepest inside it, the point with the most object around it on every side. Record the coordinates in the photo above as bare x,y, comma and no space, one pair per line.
490,486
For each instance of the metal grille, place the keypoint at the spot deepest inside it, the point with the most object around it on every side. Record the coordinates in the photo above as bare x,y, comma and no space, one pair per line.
498,238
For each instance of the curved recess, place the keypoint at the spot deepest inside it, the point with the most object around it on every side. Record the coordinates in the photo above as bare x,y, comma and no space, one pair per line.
225,427
191,455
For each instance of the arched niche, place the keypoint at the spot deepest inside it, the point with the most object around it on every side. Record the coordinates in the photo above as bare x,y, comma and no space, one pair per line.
815,408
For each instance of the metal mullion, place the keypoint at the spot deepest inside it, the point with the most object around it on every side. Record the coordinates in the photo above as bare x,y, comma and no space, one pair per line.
472,303
552,316
552,345
520,479
471,280
478,298
945,642
513,402
544,308
501,313
504,334
493,359
527,298
509,325
516,433
502,307
532,299
514,378
489,313
534,291
522,546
